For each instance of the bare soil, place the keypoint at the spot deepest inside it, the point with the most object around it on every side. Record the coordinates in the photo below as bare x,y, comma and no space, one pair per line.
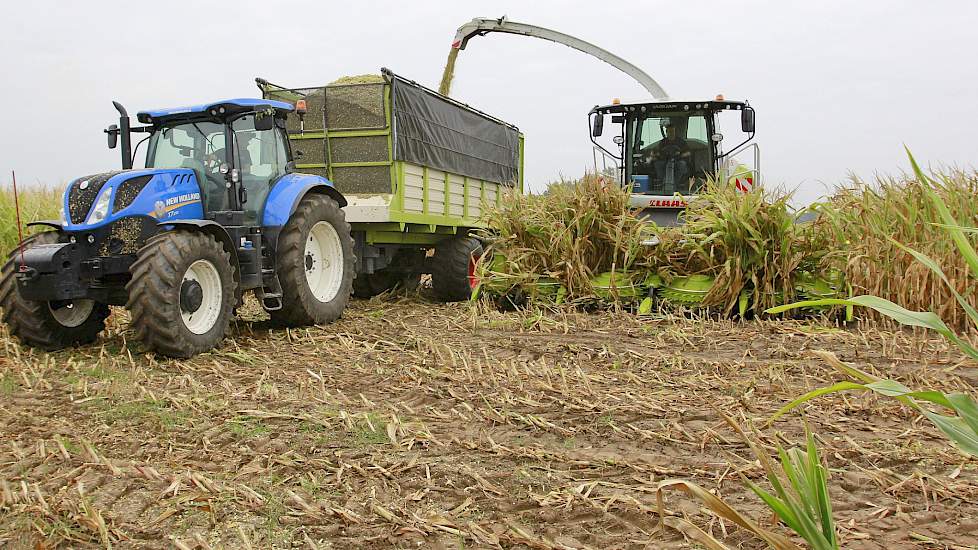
409,424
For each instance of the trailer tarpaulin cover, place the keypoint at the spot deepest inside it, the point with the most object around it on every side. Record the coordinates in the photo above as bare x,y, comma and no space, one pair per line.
438,133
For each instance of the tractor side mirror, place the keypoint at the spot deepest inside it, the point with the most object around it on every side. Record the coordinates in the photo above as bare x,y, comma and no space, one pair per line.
747,120
113,135
264,122
598,127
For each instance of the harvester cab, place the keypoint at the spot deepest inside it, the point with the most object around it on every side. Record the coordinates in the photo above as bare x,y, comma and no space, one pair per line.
217,211
666,151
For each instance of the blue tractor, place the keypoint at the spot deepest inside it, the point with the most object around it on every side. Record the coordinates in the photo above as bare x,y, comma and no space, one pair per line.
218,211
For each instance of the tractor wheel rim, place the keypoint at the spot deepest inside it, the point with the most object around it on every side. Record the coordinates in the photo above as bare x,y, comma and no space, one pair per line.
73,313
323,261
473,277
203,319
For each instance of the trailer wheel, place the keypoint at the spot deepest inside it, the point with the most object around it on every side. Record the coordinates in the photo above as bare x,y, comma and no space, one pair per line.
315,263
401,273
370,285
47,325
181,293
453,269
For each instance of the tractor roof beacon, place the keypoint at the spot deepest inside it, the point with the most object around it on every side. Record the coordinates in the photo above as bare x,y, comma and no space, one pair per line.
218,210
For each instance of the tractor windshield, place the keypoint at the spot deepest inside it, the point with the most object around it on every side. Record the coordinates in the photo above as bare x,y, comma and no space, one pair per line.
199,146
670,153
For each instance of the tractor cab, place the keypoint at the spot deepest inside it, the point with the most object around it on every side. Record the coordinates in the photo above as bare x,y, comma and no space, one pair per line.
665,151
237,149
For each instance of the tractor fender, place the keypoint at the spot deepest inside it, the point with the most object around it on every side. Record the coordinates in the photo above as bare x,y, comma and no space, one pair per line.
213,229
56,225
284,198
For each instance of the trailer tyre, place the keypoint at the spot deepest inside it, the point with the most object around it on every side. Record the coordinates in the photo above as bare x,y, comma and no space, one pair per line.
401,274
453,269
181,293
47,325
315,263
373,284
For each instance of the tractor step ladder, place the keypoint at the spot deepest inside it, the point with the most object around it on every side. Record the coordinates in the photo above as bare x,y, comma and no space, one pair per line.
271,298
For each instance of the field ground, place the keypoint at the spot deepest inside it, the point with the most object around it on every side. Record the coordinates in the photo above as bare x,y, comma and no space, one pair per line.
409,424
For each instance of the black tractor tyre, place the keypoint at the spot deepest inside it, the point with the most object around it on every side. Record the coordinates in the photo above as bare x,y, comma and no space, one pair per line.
160,292
294,258
452,266
33,322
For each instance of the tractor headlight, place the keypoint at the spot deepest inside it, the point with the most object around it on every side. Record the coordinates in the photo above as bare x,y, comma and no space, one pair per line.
101,210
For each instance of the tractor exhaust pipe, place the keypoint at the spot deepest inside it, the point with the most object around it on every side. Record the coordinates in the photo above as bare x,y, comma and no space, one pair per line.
124,134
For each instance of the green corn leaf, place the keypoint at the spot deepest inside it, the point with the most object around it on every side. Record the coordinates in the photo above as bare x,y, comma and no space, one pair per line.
962,429
956,430
933,266
840,386
784,513
923,319
966,409
972,230
957,235
822,488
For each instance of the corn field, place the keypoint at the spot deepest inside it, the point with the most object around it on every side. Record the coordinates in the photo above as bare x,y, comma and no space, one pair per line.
564,420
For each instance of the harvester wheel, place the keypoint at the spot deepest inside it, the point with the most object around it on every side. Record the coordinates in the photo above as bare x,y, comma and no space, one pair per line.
47,325
181,293
453,268
315,263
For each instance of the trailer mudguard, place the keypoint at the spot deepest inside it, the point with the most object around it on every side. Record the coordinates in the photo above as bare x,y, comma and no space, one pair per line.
289,190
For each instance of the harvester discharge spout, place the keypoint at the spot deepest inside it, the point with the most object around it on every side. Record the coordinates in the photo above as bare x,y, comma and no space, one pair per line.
481,26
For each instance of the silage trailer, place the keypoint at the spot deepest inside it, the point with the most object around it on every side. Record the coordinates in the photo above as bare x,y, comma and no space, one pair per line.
417,169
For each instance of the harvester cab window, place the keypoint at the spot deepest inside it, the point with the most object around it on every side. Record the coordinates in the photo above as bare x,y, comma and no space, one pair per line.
195,145
261,158
670,153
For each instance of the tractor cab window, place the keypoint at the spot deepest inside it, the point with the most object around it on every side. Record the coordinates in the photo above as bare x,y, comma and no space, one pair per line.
670,153
261,157
198,146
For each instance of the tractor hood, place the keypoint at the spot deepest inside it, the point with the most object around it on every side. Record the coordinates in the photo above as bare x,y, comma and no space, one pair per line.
161,193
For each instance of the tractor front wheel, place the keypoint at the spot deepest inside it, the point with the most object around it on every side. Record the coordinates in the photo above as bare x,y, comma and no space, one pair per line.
181,293
315,263
453,276
47,325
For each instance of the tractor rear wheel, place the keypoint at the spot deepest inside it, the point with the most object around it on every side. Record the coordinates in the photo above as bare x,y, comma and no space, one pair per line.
453,268
315,263
181,293
47,325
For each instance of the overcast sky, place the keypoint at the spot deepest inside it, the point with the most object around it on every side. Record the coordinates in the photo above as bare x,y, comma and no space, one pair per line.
838,86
